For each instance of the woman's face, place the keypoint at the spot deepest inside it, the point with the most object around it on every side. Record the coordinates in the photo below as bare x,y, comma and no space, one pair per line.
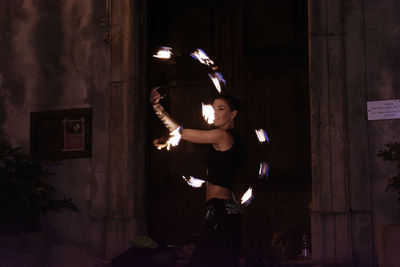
224,116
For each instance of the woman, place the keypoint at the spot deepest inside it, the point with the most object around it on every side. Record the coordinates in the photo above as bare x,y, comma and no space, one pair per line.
219,244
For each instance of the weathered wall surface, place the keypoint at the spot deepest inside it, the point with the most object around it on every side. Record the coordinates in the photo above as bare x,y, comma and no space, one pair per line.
52,57
383,83
353,60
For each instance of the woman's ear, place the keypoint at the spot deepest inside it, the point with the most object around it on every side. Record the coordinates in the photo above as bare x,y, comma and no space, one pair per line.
233,114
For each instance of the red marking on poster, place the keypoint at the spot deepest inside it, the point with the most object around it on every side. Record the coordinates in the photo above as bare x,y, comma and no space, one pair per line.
74,134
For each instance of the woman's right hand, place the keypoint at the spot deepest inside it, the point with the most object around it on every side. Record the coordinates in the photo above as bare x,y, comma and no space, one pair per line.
155,96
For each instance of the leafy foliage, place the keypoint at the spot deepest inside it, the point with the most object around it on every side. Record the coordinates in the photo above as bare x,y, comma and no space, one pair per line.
25,192
392,153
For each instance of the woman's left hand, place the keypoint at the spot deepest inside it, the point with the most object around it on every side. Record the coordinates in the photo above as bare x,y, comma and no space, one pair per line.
155,96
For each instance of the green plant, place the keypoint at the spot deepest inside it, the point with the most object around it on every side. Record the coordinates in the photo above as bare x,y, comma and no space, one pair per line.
392,153
25,192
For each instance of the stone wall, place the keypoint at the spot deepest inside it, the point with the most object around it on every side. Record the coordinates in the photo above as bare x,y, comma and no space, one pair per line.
58,55
352,61
53,56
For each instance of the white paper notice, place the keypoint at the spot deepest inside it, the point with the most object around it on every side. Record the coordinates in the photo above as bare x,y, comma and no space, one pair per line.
383,110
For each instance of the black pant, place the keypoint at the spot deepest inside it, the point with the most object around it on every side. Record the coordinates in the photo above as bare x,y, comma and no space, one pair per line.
219,243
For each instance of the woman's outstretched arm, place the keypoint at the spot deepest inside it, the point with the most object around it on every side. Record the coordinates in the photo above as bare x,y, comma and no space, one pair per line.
216,136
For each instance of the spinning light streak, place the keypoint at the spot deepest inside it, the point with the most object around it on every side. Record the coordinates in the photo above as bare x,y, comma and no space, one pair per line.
194,182
263,171
175,137
262,136
208,113
247,197
164,52
203,58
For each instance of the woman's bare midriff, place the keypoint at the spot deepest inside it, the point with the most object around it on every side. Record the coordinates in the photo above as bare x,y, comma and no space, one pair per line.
216,191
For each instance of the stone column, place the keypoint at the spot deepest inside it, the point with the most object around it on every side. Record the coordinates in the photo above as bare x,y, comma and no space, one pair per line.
341,217
127,214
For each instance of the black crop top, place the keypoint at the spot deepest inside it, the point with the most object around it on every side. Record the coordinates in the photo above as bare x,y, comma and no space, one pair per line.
222,165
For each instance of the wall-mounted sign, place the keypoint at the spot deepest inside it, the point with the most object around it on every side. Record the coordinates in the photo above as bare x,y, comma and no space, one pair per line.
74,134
383,110
61,134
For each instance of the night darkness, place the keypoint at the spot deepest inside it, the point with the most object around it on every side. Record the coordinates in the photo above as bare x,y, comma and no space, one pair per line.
261,50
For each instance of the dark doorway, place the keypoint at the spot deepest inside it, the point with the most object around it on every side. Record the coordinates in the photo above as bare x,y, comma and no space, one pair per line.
261,50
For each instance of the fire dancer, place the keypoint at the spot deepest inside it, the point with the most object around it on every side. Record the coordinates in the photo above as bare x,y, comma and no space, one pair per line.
219,244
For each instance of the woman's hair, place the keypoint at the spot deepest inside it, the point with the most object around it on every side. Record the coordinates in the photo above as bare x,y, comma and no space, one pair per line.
232,102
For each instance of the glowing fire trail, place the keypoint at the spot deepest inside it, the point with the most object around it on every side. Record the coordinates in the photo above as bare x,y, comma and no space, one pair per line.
217,79
247,197
164,53
201,56
208,113
263,170
194,182
172,141
262,136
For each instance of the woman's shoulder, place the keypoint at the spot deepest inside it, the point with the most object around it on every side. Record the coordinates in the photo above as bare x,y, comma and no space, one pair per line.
236,136
234,133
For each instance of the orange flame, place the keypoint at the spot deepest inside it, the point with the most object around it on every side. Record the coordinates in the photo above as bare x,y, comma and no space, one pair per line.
194,182
246,198
174,139
164,53
201,56
262,135
208,113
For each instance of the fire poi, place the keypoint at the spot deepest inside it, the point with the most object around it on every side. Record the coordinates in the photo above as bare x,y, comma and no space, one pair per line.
165,53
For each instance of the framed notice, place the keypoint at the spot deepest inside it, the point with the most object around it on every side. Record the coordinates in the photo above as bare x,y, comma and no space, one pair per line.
383,110
61,134
74,134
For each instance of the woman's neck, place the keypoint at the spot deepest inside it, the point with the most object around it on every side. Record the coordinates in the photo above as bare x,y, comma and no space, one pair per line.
226,127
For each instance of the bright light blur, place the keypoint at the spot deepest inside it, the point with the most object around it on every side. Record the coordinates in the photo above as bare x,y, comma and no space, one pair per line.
208,113
263,170
201,56
217,79
194,182
247,197
174,139
262,136
164,53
